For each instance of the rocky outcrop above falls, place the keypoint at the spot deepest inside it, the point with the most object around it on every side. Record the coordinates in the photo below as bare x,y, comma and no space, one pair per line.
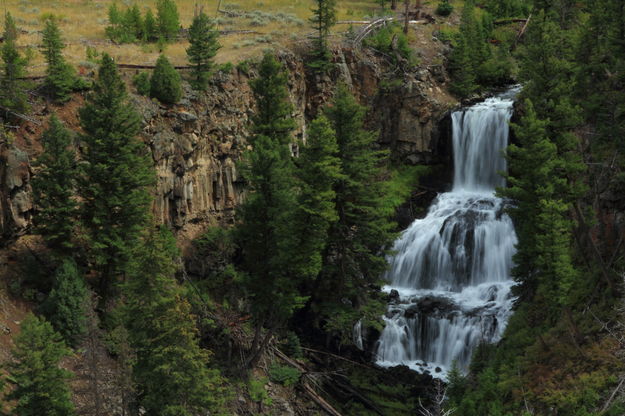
197,144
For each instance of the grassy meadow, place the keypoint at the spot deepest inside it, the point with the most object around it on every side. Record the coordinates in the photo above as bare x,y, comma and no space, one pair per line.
83,23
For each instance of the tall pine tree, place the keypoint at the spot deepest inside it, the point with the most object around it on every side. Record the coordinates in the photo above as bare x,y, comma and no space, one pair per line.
170,368
324,17
115,175
53,188
39,384
355,257
204,44
61,77
266,229
12,97
273,116
319,169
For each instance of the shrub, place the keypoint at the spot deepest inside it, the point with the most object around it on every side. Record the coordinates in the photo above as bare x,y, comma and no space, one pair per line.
444,8
292,346
287,376
257,391
141,81
165,84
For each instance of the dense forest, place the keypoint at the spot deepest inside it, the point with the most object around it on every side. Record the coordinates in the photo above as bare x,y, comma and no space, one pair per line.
123,311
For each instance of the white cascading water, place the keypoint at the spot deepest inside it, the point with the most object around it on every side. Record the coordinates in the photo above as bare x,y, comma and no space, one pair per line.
449,280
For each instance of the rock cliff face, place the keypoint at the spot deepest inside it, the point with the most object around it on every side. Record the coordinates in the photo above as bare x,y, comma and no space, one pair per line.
196,144
15,192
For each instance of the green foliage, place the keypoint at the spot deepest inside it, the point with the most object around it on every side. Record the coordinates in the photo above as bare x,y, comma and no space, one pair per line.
53,188
39,384
273,117
66,305
123,26
399,186
474,63
165,84
13,96
391,41
167,18
61,79
283,374
444,8
141,81
150,27
256,388
318,172
324,17
203,40
508,8
354,258
115,175
265,234
170,369
130,26
291,345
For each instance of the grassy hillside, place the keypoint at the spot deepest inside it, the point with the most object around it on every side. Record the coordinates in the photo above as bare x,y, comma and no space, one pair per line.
83,23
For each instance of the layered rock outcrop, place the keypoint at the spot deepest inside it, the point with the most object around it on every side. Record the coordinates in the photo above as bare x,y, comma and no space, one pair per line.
196,144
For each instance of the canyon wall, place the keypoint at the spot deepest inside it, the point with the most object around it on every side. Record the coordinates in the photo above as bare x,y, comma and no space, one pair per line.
196,144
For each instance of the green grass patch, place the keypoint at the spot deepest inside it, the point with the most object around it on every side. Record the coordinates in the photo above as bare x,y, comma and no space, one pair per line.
402,182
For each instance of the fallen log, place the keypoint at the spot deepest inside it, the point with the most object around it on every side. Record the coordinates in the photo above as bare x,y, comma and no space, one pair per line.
502,22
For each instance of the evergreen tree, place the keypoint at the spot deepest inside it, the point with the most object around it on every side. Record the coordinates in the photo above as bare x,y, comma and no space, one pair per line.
134,22
461,67
273,117
324,17
165,84
150,27
170,369
543,263
116,173
53,188
601,70
318,171
168,19
266,229
355,257
203,48
470,53
67,302
39,383
61,78
12,96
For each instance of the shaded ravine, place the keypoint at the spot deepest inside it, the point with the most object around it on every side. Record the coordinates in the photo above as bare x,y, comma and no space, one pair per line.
449,281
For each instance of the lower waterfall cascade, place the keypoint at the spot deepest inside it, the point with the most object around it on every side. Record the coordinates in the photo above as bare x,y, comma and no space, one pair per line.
449,281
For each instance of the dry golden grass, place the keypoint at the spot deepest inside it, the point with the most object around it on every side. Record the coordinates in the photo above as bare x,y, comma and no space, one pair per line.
83,23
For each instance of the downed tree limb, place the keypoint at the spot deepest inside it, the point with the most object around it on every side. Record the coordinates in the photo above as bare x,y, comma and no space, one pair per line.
19,115
508,21
523,29
607,404
338,357
314,396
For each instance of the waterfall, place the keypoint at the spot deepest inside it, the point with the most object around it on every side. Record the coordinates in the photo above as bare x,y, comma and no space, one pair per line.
449,279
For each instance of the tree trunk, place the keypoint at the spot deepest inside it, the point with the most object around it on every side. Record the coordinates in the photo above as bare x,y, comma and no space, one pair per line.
393,4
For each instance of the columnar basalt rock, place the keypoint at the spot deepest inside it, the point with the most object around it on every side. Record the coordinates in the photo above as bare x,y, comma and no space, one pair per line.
196,144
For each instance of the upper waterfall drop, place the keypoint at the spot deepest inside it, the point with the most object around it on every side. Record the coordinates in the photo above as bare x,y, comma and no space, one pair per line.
450,278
